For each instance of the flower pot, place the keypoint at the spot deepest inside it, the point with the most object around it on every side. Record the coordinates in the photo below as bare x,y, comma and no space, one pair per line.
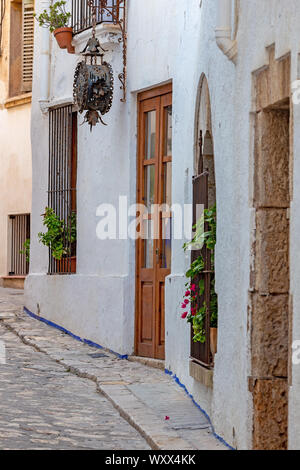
213,333
63,37
63,265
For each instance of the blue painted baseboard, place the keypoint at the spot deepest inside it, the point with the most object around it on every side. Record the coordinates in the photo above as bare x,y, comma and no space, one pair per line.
125,356
176,379
67,332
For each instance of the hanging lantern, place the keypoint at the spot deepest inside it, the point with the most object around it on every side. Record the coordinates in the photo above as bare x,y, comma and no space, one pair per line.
93,81
93,84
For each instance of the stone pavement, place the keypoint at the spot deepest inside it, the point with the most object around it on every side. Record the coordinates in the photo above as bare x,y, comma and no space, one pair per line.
49,394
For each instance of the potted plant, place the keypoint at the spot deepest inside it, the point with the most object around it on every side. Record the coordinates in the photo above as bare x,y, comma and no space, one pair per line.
60,238
70,233
195,289
57,20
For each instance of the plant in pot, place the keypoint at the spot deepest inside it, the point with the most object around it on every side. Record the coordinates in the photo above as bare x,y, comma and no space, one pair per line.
71,235
195,286
57,20
60,238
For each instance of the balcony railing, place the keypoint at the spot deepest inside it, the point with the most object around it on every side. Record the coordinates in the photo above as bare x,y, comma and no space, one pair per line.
82,13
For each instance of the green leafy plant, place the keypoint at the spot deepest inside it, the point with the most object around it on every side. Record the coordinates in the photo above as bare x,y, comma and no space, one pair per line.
26,250
58,234
73,231
56,17
197,315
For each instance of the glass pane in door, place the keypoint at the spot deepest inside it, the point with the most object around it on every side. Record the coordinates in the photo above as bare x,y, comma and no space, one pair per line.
166,243
150,135
148,244
149,186
168,131
167,182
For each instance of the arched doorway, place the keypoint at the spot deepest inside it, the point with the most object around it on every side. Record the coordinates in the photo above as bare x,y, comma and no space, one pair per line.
204,194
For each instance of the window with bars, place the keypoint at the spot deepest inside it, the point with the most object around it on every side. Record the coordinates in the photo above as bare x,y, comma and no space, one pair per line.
62,183
2,13
200,352
19,233
21,47
204,195
82,13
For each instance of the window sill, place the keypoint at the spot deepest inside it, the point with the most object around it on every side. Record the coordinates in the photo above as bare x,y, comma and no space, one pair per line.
18,100
201,374
13,282
107,33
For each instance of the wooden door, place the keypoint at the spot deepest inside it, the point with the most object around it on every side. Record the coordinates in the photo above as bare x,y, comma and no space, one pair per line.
154,193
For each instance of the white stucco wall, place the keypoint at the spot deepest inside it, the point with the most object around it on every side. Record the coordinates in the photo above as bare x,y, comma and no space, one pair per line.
15,174
15,152
167,44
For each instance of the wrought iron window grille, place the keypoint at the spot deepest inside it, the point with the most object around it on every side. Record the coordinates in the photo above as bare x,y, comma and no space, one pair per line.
62,182
19,233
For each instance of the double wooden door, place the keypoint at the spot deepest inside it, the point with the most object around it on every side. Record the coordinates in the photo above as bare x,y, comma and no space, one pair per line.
154,193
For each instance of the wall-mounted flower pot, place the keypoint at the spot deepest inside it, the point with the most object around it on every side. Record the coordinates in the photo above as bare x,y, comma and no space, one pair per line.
213,340
63,265
64,37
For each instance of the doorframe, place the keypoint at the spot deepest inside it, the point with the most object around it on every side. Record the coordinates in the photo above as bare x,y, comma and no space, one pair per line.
153,92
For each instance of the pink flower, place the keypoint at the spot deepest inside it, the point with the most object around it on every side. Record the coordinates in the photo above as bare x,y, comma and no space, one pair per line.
193,311
193,287
184,315
167,418
186,301
183,306
187,293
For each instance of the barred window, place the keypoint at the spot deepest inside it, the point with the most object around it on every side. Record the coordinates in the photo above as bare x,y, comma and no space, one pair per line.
19,235
62,184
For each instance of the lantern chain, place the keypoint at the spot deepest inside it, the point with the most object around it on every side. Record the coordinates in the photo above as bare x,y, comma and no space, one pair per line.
114,13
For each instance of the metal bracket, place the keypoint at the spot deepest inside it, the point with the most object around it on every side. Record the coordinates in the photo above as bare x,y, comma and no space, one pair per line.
114,13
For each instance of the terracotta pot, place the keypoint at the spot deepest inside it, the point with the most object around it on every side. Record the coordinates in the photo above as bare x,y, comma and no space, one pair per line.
213,340
63,265
63,37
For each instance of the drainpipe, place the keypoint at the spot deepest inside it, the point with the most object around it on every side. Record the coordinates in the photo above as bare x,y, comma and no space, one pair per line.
225,30
44,63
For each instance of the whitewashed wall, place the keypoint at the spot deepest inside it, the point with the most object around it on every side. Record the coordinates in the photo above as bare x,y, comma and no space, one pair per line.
15,172
15,153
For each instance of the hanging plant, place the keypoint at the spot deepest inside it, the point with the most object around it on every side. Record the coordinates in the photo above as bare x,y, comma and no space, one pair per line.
194,314
57,20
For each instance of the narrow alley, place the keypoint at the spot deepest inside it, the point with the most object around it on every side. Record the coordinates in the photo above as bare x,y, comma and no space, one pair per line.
49,394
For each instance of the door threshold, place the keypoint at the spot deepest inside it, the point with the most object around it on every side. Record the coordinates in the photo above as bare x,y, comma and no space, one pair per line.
148,361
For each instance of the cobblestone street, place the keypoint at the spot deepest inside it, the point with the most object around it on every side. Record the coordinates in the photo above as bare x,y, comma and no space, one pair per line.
49,394
42,406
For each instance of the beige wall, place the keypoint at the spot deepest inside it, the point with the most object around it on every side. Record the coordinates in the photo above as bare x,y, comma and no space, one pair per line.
15,150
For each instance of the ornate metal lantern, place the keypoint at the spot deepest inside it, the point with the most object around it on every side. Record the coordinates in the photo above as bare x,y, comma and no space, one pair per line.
93,84
93,81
